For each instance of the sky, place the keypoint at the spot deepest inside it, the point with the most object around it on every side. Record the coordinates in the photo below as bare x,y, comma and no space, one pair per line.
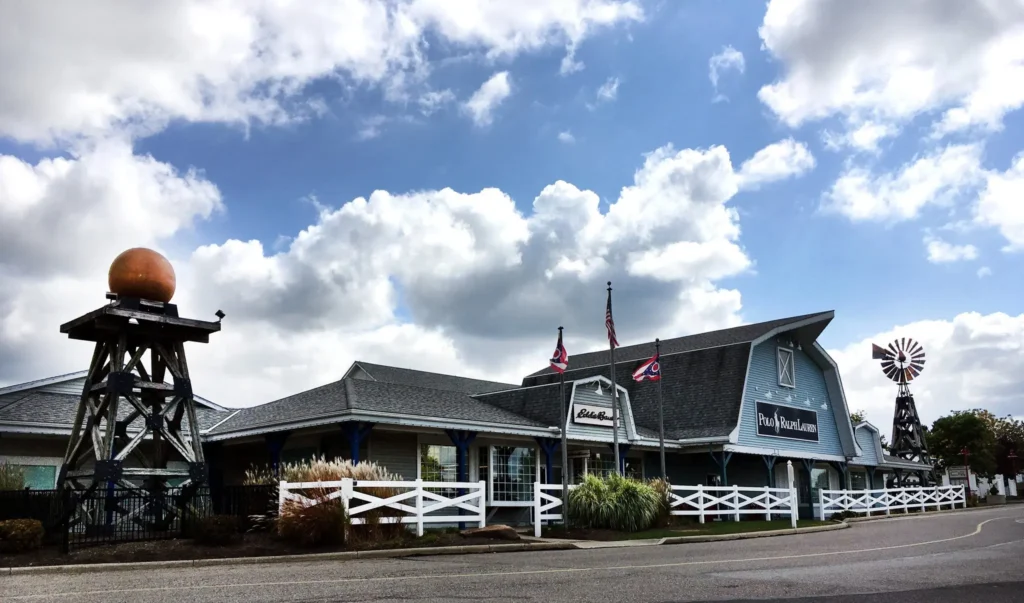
440,184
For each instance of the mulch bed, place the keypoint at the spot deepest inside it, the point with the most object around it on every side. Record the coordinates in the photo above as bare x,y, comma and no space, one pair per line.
251,545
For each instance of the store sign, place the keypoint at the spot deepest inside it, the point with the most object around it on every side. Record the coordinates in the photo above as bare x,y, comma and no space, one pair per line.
957,472
785,422
591,415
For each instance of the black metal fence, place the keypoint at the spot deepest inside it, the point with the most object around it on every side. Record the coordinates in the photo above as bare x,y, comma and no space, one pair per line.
76,519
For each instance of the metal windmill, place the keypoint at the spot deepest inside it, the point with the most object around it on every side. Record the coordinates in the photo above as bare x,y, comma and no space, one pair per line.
903,361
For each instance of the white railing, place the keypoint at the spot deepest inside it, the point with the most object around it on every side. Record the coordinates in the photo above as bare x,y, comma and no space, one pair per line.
886,500
413,502
734,501
543,502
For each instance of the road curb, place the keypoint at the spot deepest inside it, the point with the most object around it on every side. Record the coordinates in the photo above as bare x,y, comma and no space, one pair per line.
928,513
338,556
749,535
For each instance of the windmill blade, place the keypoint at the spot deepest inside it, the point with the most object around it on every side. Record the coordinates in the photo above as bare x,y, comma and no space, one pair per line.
878,352
893,349
887,364
915,371
907,375
902,345
917,348
891,372
918,354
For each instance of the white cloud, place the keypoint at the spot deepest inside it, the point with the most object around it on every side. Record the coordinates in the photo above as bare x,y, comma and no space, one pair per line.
778,161
480,107
608,91
888,62
432,101
371,127
1000,204
984,271
864,137
83,70
943,252
934,179
460,282
729,59
973,361
566,137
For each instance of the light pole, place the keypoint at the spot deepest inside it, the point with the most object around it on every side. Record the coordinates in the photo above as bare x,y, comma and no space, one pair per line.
967,469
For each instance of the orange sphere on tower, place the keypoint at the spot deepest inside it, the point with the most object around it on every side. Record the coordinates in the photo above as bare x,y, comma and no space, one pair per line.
141,272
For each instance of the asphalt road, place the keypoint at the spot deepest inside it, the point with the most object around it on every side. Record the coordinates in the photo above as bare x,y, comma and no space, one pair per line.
961,557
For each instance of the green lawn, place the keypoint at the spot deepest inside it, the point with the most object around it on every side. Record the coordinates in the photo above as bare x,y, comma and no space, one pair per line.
710,528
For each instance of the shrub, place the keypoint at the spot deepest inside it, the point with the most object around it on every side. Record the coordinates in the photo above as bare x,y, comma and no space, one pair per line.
20,535
615,503
663,516
217,530
11,477
313,525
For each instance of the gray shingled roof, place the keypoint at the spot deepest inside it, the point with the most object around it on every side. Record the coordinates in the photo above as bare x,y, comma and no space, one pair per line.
537,403
698,341
405,376
351,395
59,410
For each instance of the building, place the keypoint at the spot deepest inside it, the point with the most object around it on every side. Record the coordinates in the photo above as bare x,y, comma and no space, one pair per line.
738,403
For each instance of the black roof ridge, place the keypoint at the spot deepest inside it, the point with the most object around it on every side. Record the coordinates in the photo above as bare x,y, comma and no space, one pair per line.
547,370
362,364
518,388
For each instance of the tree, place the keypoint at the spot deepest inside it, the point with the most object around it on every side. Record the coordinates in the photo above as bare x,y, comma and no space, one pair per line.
950,434
857,417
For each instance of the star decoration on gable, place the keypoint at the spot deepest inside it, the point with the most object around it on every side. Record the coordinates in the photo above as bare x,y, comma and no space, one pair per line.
789,398
807,402
768,395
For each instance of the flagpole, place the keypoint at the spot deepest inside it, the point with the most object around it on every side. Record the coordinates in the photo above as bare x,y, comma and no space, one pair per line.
661,411
615,394
565,445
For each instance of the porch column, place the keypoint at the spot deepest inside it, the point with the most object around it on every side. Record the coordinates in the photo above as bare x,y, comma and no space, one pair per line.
549,446
275,443
355,432
871,477
623,451
213,452
769,463
843,470
462,439
722,461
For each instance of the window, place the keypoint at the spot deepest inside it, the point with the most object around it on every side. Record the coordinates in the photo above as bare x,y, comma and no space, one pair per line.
38,477
787,374
439,464
858,480
514,471
603,465
819,481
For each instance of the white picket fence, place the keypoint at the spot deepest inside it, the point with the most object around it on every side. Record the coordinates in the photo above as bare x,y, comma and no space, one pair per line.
886,500
545,498
694,501
416,502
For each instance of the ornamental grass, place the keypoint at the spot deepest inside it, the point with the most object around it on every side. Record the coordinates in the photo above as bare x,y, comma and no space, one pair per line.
615,503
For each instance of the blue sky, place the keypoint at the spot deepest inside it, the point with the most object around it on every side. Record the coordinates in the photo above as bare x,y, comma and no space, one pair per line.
268,181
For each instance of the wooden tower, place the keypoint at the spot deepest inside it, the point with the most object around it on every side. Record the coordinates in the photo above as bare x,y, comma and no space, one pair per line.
136,413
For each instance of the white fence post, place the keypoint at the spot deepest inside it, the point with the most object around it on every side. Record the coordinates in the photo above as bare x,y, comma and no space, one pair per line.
536,509
282,489
886,500
793,503
700,501
821,505
736,500
419,507
768,512
483,507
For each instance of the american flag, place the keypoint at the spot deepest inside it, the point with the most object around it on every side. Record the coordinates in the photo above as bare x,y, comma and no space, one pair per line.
608,322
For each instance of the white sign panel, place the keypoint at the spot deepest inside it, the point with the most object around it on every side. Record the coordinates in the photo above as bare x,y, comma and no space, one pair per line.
591,415
957,472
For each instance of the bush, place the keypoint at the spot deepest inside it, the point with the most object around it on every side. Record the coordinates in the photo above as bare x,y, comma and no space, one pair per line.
615,503
313,525
11,477
217,530
663,517
840,516
20,535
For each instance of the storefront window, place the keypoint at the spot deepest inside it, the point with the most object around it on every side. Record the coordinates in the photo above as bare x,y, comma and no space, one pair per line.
38,477
439,464
819,481
515,469
858,480
605,466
